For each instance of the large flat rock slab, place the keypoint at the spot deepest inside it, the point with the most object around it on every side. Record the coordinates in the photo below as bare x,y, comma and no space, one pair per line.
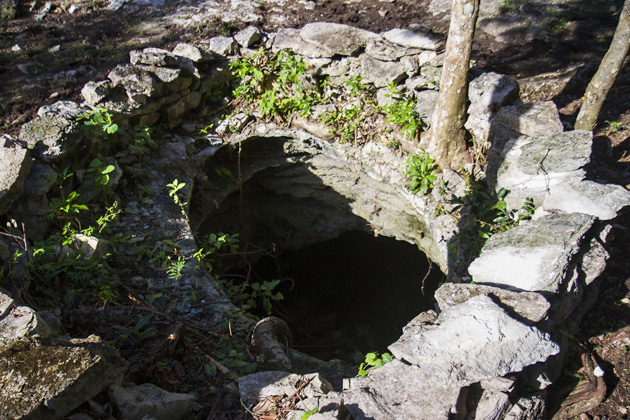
533,256
475,341
46,380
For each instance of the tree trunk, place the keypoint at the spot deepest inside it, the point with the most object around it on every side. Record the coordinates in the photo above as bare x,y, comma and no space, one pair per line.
446,141
606,73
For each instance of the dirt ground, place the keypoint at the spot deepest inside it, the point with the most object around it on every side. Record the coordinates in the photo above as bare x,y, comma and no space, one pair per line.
46,60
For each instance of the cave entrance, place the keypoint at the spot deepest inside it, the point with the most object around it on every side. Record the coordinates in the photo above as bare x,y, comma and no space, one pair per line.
350,295
350,249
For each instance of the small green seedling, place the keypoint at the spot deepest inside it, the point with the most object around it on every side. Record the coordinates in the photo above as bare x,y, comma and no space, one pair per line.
373,360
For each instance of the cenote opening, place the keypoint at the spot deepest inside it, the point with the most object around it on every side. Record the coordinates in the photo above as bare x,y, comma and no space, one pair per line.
349,295
326,228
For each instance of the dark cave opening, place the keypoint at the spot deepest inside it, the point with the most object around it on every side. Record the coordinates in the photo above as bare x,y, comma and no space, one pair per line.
349,295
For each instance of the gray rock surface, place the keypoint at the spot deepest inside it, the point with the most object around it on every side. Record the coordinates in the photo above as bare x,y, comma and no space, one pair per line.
414,38
248,36
152,57
534,120
258,386
603,201
382,73
136,82
95,92
15,164
531,306
138,402
51,134
47,380
290,39
19,322
221,45
6,303
383,50
426,105
534,167
336,38
400,391
188,51
534,255
490,91
475,341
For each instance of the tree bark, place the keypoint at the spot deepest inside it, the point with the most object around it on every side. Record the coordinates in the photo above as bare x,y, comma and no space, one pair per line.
446,141
606,73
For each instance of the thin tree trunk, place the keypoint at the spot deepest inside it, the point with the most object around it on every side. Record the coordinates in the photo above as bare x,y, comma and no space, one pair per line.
446,137
606,73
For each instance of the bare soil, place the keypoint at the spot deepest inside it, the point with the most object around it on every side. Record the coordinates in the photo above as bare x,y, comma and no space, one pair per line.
43,61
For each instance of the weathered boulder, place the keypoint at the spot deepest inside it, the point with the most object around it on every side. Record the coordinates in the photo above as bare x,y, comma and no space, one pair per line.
137,83
534,167
426,105
475,340
603,201
221,45
336,38
528,305
47,379
383,50
188,51
95,92
137,402
6,303
15,164
248,36
402,391
414,38
153,57
534,255
289,39
490,91
21,321
258,386
383,73
534,120
51,134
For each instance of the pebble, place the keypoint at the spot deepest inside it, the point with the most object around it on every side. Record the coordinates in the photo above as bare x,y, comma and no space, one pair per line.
16,48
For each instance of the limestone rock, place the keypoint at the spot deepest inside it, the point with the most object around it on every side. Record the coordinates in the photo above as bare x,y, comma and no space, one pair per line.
490,91
534,167
382,73
20,322
137,402
188,51
475,340
383,50
534,255
534,120
414,38
426,105
163,74
6,303
51,134
137,83
289,39
258,386
46,380
15,164
603,201
529,305
221,45
152,57
400,391
329,407
248,36
95,92
336,38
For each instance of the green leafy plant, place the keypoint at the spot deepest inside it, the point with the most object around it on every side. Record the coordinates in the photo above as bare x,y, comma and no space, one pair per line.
99,117
249,295
613,127
309,413
373,360
173,191
99,172
421,172
211,244
402,113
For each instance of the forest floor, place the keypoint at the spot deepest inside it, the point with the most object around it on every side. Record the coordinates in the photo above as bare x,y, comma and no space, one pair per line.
46,56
